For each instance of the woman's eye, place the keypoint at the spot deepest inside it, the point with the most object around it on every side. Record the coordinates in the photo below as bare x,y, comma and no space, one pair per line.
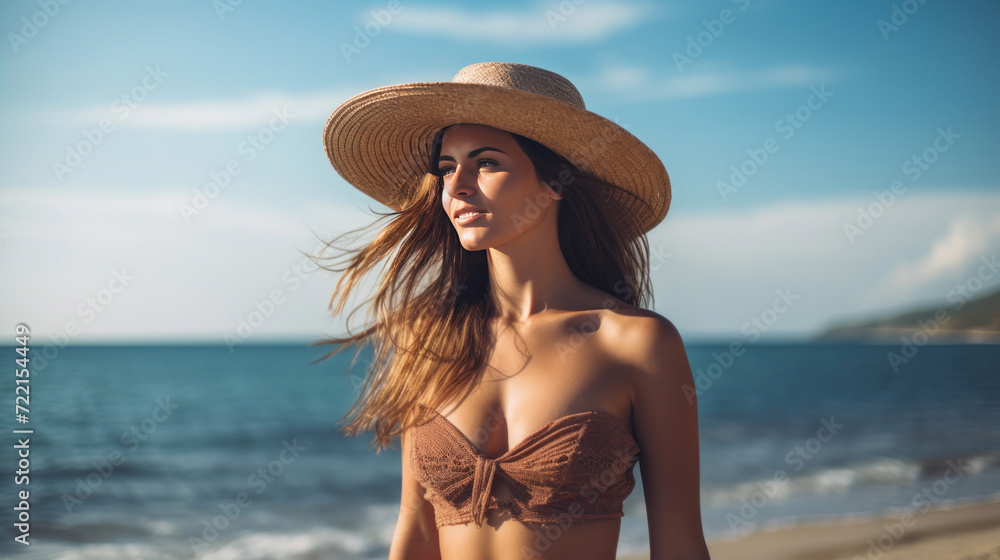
443,171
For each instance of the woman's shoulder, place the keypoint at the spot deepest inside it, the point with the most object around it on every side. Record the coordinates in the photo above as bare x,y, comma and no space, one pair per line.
646,349
633,337
636,325
640,338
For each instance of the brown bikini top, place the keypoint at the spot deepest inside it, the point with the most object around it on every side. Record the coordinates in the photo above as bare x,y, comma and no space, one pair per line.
575,468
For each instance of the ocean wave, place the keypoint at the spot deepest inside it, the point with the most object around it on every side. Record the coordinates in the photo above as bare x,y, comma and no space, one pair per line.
163,540
879,471
257,545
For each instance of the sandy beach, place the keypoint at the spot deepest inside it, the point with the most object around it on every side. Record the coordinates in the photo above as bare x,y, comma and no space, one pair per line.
965,532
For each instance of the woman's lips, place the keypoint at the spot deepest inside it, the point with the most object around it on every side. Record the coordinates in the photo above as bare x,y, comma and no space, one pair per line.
468,217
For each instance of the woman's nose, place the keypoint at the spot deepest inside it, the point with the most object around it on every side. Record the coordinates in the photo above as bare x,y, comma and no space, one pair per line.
460,181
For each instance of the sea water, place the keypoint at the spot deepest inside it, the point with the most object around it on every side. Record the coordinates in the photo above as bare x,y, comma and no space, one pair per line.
146,452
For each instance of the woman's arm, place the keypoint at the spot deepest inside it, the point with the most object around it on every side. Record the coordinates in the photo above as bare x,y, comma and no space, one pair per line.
666,426
416,536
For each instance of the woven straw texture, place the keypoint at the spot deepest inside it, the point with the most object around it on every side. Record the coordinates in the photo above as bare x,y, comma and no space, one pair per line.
381,140
547,478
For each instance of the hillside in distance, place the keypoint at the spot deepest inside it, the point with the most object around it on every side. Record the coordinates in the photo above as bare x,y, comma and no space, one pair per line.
956,321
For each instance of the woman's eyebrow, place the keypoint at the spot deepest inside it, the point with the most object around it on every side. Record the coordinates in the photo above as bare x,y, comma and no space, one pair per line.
473,153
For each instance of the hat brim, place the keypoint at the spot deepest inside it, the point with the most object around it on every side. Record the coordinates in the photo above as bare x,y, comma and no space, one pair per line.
381,140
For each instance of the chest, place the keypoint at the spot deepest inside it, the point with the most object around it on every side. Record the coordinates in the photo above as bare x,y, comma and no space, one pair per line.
536,376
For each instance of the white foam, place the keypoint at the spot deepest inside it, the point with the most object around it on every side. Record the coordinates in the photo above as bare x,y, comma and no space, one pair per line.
259,546
883,470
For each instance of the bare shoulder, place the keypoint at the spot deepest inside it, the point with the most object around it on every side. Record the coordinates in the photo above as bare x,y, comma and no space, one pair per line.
647,343
665,421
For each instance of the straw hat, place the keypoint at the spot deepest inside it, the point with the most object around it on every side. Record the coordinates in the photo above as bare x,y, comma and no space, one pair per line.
381,141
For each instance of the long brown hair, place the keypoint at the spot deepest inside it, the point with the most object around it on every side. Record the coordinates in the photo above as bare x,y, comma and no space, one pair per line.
433,308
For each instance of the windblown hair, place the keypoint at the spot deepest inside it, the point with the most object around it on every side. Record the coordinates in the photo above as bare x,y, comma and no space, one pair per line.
430,318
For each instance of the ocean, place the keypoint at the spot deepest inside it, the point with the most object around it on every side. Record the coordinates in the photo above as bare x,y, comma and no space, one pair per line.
156,452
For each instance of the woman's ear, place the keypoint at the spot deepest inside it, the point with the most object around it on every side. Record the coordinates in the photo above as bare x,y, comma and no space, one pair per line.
551,189
555,188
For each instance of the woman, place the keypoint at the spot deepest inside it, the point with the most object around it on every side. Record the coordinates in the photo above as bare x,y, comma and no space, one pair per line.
513,355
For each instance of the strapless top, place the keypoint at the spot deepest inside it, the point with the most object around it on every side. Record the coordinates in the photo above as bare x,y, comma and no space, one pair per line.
575,468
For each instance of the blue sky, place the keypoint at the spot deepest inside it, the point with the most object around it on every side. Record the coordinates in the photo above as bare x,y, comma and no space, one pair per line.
93,231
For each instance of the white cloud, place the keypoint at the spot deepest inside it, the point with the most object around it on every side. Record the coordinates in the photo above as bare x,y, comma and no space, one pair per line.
258,110
725,265
713,269
636,83
192,280
253,111
542,24
967,239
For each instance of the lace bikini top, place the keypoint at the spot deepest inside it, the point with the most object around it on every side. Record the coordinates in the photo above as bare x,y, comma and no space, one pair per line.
575,468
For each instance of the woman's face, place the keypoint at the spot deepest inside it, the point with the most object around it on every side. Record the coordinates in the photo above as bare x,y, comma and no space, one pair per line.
485,170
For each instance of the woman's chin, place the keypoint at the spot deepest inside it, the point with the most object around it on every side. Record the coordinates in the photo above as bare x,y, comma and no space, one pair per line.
473,241
473,246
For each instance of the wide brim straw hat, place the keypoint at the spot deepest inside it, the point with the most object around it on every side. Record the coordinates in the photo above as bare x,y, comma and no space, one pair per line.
381,141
